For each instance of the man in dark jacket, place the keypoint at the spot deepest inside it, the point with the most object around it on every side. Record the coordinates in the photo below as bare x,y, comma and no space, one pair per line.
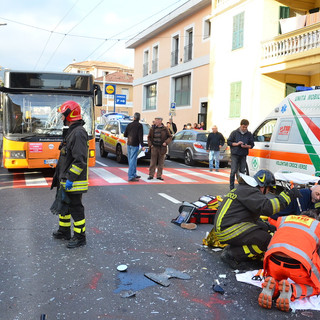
240,141
158,139
237,219
71,175
134,133
214,142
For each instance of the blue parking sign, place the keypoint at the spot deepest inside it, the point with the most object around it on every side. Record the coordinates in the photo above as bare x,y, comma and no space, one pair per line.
121,99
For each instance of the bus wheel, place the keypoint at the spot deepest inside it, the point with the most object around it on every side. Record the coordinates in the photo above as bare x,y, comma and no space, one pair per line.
103,153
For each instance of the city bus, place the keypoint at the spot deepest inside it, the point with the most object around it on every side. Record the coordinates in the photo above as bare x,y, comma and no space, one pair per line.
32,127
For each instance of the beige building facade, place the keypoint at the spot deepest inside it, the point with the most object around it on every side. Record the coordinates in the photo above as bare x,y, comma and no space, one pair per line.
171,66
105,74
260,51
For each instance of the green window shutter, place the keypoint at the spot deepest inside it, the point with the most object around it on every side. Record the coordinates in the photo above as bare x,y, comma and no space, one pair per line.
284,12
238,26
235,100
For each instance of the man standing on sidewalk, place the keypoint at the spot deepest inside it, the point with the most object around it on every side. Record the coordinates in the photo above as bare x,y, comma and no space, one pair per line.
214,142
158,139
134,133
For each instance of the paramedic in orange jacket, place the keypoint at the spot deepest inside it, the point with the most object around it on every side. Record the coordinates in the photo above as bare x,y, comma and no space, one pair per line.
293,253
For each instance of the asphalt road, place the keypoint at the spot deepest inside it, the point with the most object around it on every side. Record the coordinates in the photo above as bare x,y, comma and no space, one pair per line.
127,223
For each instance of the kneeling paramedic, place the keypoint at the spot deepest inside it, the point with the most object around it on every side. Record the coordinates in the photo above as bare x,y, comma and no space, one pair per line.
71,177
237,219
293,253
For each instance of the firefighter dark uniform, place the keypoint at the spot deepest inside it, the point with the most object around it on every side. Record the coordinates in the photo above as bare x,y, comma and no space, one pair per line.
236,221
72,175
295,257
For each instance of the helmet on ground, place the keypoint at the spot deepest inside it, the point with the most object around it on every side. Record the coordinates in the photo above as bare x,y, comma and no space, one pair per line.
265,178
71,110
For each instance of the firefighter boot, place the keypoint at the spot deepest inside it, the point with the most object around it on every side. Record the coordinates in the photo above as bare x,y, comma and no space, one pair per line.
76,241
62,234
229,259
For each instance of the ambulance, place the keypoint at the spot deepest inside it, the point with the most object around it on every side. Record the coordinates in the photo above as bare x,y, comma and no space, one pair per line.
288,140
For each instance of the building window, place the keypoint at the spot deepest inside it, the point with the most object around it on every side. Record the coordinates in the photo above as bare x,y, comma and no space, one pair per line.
235,100
145,63
238,25
189,45
206,29
151,97
175,51
125,91
182,90
155,59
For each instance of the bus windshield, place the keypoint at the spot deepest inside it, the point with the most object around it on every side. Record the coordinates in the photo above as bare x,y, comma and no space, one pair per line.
36,114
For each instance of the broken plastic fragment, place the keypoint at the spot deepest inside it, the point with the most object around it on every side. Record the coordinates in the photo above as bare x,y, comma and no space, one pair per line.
128,294
218,289
122,267
163,278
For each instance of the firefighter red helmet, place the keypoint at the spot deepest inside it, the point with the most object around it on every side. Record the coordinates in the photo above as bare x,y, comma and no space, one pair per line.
71,110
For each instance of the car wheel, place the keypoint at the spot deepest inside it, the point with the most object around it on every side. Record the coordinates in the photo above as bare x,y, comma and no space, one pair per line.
103,153
119,154
188,160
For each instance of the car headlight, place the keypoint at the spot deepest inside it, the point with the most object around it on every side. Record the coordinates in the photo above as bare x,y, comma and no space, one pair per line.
21,154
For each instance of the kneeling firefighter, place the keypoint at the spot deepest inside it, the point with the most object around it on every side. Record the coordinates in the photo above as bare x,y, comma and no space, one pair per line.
71,176
237,219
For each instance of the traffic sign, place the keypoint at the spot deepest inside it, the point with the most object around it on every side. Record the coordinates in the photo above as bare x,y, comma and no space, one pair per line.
110,89
121,99
173,106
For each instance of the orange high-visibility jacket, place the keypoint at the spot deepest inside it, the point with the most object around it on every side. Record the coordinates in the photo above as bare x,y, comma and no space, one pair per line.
299,238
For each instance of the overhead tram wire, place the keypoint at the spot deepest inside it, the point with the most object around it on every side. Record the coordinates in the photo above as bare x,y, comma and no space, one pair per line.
112,37
45,46
70,31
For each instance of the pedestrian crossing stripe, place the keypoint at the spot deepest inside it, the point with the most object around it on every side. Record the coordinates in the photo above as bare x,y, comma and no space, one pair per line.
105,176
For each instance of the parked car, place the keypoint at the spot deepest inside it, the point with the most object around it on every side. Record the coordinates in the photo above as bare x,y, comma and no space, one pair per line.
113,141
190,145
97,130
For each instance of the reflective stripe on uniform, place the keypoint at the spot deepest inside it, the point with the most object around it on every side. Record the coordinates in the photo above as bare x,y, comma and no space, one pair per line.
64,221
285,197
76,170
234,231
79,226
222,213
247,251
275,205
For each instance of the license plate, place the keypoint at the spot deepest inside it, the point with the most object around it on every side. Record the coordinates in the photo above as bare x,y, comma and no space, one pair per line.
51,161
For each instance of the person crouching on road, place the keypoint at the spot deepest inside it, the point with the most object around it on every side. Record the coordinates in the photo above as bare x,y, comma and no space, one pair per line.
236,221
293,253
134,133
71,174
158,139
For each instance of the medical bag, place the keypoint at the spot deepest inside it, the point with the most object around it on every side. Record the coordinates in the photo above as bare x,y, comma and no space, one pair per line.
200,211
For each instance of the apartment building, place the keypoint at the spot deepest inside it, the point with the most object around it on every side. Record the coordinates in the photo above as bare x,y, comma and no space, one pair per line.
260,51
171,66
109,73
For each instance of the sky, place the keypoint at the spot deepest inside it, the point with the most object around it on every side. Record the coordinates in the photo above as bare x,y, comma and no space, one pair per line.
48,35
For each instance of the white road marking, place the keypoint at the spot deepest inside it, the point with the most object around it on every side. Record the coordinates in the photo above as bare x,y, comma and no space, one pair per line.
107,176
169,198
101,164
201,175
222,174
144,177
177,176
34,179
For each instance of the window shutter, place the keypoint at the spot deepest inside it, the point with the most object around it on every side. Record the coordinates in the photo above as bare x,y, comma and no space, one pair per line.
235,100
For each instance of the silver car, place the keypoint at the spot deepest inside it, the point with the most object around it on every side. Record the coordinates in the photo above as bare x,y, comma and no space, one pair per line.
190,145
113,141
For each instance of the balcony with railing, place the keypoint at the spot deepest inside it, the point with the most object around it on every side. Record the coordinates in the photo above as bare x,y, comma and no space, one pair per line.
174,58
291,45
188,52
145,69
155,65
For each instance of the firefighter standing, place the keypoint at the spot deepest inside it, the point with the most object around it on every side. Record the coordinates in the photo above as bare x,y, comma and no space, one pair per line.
236,221
71,175
293,253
